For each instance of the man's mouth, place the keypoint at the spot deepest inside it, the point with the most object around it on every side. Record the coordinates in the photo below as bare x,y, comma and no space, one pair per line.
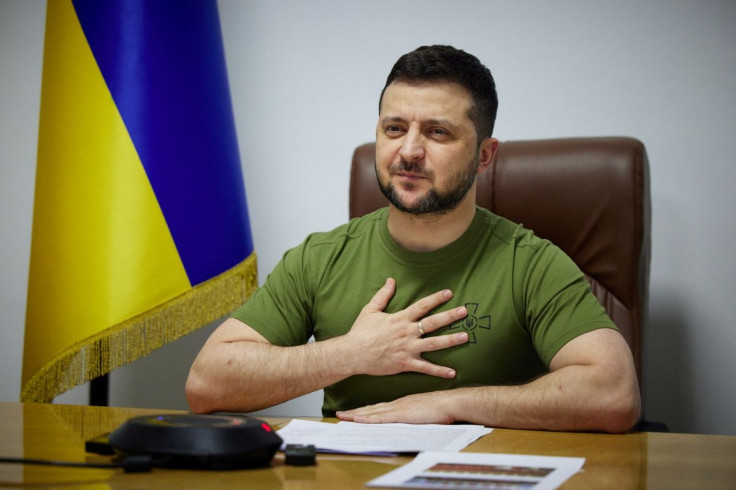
407,170
409,175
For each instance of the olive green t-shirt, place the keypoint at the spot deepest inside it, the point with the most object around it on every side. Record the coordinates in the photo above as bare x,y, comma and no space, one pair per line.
525,299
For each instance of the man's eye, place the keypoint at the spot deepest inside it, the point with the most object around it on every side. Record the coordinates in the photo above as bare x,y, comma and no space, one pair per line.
439,132
393,129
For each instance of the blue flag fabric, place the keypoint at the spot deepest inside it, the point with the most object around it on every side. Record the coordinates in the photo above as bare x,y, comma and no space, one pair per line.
164,64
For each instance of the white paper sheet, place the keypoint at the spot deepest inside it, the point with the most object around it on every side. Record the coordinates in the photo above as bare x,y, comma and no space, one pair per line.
351,437
481,471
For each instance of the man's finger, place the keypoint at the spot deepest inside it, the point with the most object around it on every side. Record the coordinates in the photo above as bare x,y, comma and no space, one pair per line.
426,367
443,341
380,300
417,310
443,318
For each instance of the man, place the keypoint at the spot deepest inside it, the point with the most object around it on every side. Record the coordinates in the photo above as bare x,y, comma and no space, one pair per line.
386,295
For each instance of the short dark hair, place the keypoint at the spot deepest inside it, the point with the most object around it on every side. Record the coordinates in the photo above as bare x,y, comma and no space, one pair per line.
447,64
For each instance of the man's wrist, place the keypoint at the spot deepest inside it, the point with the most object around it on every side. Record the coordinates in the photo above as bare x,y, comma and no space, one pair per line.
465,404
342,357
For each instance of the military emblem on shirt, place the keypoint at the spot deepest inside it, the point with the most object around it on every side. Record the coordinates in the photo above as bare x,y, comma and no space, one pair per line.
472,322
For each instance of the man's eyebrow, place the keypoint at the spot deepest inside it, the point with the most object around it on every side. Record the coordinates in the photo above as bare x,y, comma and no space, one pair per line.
440,122
429,122
392,119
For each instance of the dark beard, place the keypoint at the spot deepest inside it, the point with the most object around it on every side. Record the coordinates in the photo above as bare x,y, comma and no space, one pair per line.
433,202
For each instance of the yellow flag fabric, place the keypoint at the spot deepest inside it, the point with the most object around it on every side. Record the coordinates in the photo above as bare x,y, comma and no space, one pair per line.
140,227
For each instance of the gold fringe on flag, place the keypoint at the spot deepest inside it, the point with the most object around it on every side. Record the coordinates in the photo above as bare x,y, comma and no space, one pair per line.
139,336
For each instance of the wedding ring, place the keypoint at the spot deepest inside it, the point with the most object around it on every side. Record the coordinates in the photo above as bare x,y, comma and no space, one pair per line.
419,326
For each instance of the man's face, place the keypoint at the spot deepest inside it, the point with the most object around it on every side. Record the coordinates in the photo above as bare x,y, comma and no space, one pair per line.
426,147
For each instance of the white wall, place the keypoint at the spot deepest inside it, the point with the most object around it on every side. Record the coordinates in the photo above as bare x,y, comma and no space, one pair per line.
305,78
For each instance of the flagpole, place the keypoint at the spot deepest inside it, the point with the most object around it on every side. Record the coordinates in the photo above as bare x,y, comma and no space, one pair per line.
99,390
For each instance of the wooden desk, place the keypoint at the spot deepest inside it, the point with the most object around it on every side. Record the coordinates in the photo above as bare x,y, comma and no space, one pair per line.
639,460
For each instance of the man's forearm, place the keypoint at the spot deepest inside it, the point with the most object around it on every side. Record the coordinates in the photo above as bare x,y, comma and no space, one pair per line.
247,375
569,399
531,406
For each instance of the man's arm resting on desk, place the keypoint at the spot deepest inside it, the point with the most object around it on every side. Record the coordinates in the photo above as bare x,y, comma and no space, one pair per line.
592,385
239,370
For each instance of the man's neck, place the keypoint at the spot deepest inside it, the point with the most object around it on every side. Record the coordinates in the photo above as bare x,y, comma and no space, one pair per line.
424,233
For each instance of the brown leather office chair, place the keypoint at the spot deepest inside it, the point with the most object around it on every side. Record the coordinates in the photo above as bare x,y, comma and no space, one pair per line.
589,196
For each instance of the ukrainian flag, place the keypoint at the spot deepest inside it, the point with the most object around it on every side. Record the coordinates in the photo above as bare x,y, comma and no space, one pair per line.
140,226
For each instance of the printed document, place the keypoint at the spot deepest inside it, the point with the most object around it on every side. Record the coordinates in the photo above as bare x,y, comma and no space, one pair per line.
481,471
351,437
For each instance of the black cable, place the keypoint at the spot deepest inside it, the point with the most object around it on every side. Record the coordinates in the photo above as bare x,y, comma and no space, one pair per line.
48,462
131,464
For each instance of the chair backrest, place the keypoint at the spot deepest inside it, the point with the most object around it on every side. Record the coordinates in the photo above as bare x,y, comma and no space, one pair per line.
589,196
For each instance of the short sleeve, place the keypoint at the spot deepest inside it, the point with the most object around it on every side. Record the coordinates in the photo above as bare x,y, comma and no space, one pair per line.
281,309
557,302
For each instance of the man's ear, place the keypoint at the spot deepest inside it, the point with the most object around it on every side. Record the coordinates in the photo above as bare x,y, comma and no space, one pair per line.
486,152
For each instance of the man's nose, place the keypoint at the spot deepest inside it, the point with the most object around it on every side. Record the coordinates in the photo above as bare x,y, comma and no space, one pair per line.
412,148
